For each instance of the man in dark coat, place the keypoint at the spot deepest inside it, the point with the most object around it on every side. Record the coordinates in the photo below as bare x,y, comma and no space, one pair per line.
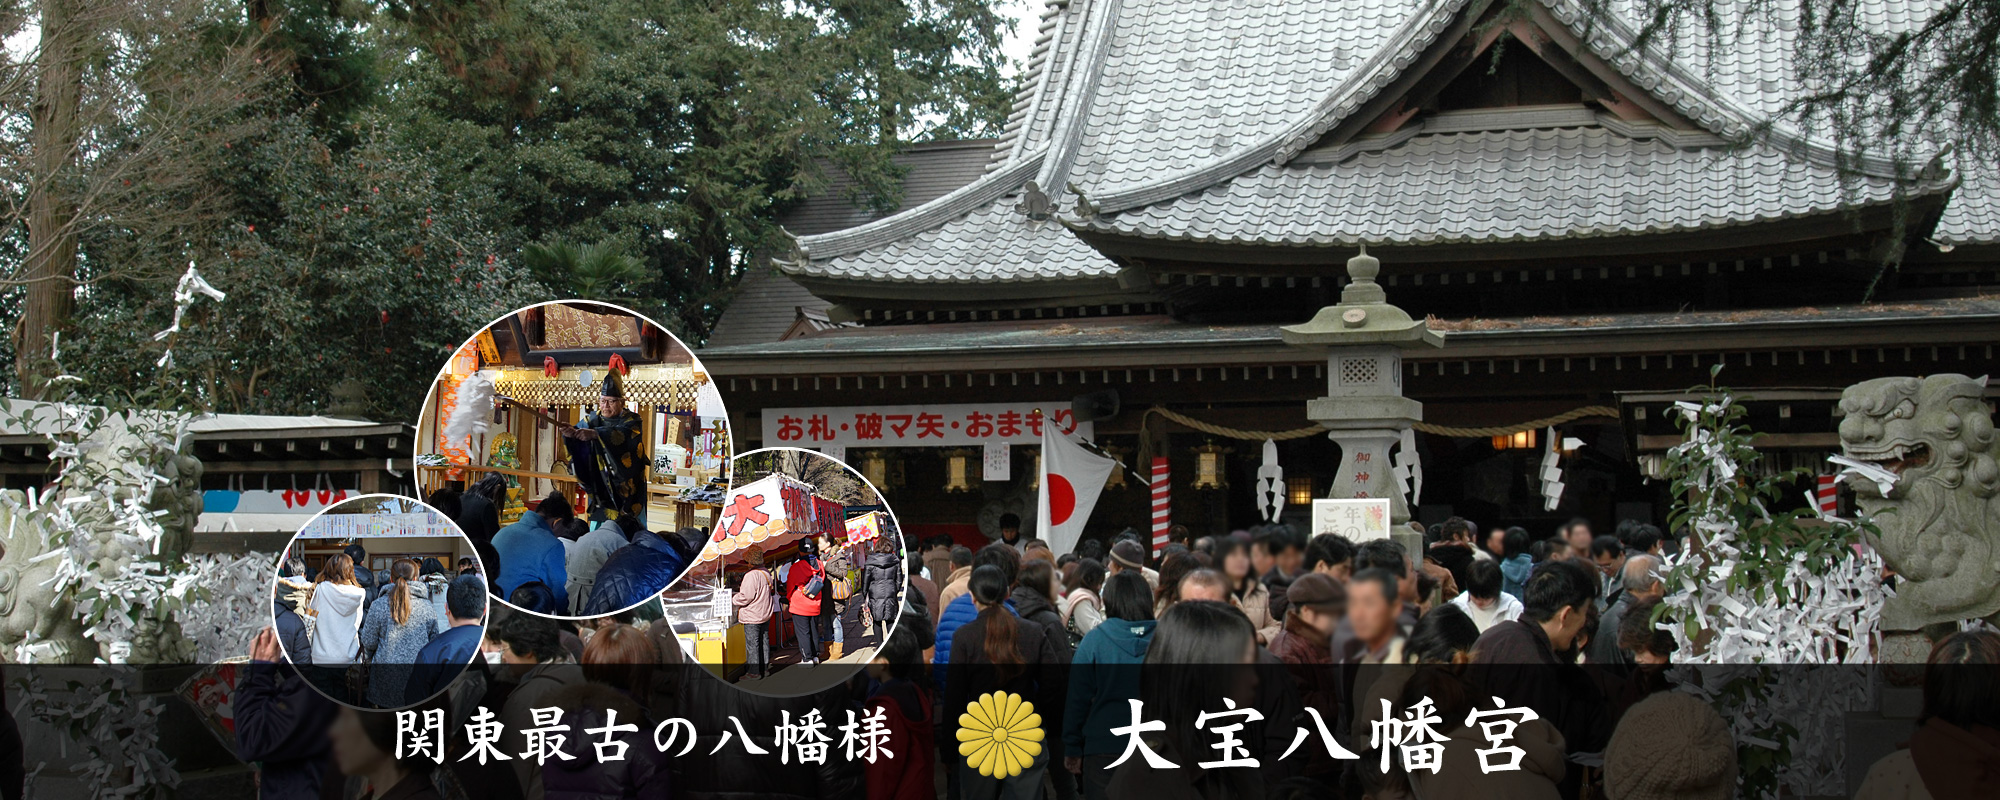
441,661
281,723
363,576
291,631
1530,662
635,572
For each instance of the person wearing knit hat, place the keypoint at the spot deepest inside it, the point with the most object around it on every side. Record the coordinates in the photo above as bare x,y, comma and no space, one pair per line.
1671,746
1131,555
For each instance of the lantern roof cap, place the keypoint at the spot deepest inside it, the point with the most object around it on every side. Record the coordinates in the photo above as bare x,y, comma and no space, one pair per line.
1363,316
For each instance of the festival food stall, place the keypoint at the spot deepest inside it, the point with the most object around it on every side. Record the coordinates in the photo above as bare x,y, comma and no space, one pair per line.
865,529
773,514
552,359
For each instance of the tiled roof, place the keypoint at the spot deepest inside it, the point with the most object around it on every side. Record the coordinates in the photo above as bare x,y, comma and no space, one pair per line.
992,243
1499,186
1186,83
1973,215
1158,107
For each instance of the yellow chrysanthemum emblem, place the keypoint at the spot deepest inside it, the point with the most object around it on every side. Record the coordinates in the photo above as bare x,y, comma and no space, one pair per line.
1000,734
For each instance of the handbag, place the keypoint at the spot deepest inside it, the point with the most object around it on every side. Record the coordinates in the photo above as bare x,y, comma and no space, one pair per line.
842,588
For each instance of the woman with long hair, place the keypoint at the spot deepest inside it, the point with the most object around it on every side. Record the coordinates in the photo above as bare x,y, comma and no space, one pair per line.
1104,678
396,629
1083,601
1200,661
996,652
1246,591
364,746
1035,602
336,605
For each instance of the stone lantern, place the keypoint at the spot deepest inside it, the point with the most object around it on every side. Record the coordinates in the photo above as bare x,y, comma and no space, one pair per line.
1363,338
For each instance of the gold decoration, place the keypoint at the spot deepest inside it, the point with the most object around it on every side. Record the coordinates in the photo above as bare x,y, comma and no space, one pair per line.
958,471
568,328
1208,467
1000,734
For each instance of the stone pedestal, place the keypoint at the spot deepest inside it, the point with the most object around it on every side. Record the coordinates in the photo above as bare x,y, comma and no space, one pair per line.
1365,469
1364,409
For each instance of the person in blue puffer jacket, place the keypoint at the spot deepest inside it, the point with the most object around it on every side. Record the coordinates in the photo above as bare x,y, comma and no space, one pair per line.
530,553
961,609
1105,676
637,571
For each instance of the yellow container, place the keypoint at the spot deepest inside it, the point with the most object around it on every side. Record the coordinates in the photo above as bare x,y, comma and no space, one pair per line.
720,652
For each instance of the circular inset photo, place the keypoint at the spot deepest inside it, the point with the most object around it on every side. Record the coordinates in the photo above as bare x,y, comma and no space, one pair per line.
583,449
802,579
380,602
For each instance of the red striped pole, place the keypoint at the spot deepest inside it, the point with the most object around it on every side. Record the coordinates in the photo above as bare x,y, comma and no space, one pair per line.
1827,491
1162,503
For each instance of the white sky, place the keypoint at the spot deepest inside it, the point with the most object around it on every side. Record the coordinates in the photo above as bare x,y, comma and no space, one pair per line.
1026,14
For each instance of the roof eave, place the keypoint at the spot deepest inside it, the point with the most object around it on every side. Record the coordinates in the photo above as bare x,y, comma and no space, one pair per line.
1124,245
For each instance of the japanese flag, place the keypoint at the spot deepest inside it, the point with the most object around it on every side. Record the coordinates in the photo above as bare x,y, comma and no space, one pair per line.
1071,479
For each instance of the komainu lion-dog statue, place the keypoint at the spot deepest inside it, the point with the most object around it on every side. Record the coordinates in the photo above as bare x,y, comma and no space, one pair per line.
1940,514
134,461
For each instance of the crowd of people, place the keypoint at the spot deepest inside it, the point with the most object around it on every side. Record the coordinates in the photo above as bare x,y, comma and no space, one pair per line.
831,604
1316,633
1187,632
383,639
552,562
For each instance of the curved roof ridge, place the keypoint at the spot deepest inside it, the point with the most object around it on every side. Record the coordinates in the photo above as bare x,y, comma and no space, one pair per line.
1045,58
964,200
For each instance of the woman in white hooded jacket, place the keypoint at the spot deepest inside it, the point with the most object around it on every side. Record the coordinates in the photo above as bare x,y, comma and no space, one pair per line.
336,605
